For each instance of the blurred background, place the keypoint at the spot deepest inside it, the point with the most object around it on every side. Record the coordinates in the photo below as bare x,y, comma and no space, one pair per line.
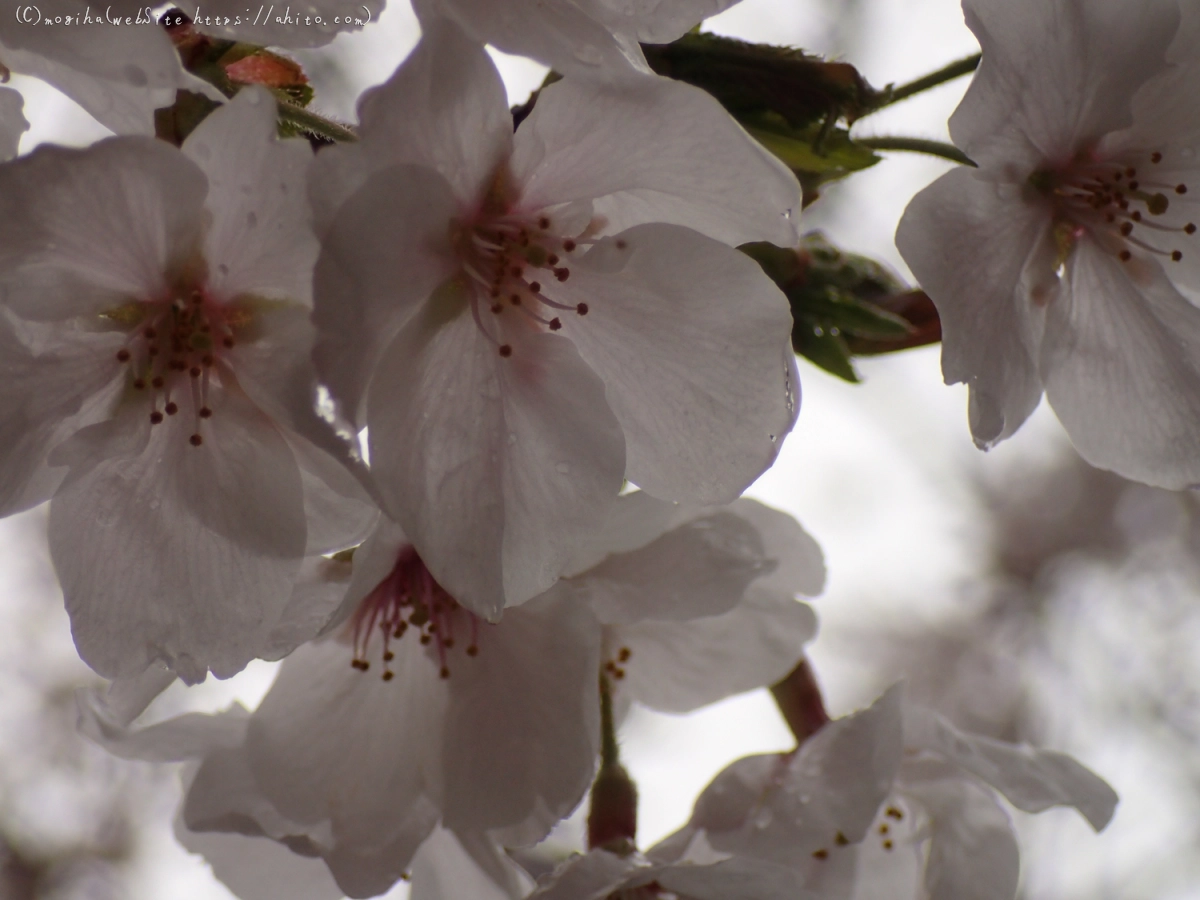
1022,593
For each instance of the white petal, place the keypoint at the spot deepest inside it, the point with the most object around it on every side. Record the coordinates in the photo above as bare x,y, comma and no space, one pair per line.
495,468
316,599
661,23
44,398
259,242
522,729
799,562
175,553
590,876
1056,77
973,851
331,744
1120,366
12,122
568,37
680,666
446,870
385,253
445,108
633,521
93,228
782,810
1032,780
700,568
182,738
119,74
373,561
732,879
690,339
255,868
654,150
309,23
985,300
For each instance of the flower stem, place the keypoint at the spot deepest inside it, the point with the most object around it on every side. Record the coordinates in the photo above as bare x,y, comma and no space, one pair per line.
315,124
612,816
916,145
798,697
964,66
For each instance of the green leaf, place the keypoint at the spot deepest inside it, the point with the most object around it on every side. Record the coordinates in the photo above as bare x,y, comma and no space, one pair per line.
829,351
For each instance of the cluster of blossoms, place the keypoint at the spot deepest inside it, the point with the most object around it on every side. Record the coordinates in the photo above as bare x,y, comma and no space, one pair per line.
374,412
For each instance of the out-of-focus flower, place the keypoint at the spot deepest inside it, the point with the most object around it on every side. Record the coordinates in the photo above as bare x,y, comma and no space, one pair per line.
524,321
576,36
1068,261
154,324
890,801
118,71
12,122
416,714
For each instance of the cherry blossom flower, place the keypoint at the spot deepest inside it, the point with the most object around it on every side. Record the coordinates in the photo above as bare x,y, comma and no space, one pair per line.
154,326
414,714
890,793
577,36
12,123
522,322
1068,261
120,73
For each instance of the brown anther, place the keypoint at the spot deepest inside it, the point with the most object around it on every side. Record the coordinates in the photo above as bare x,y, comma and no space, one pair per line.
555,324
448,642
1133,185
562,274
840,839
194,371
543,223
1155,157
582,309
150,333
893,813
1176,255
388,675
505,350
821,854
155,417
228,343
425,639
887,845
1189,228
388,655
515,299
569,245
1157,205
205,412
618,674
1125,256
445,672
171,408
122,356
552,259
361,664
1126,228
535,287
884,829
497,308
1136,216
621,244
156,381
196,440
624,654
1181,188
472,650
139,384
1130,172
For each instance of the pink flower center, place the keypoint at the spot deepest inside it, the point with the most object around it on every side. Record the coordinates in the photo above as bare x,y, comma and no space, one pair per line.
409,600
1122,204
512,261
174,346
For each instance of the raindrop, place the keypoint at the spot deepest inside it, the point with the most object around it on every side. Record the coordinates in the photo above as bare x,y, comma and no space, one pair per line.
762,819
